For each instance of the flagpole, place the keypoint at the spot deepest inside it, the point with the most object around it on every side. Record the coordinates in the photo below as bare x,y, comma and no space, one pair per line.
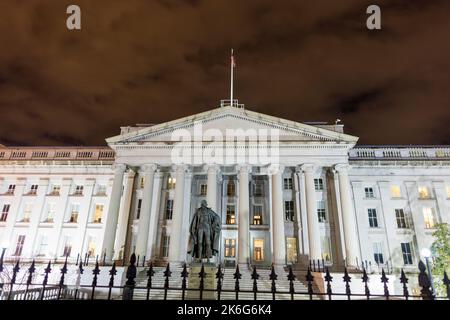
231,85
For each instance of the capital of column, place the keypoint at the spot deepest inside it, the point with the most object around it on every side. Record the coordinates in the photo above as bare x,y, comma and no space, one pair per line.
243,168
342,167
275,169
149,167
119,167
307,167
212,168
130,173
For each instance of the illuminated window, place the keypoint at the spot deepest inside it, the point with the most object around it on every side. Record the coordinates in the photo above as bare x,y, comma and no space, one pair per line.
257,214
74,210
321,214
287,182
373,219
369,192
448,192
423,193
289,210
203,189
291,249
141,182
318,184
231,214
258,249
230,248
171,183
378,253
231,188
51,210
55,190
428,218
396,192
67,246
19,245
326,248
5,212
402,222
169,209
91,247
98,213
27,212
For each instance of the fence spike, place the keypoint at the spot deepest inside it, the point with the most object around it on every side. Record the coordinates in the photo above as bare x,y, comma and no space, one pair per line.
273,276
237,276
31,271
219,277
347,280
255,277
184,275
310,279
131,275
328,278
112,273
150,274
365,279
291,278
1,260
404,281
385,280
167,275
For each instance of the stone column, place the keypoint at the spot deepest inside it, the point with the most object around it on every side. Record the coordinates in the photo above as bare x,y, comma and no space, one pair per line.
124,215
301,215
348,216
144,218
177,219
243,215
154,215
279,239
113,212
311,211
211,189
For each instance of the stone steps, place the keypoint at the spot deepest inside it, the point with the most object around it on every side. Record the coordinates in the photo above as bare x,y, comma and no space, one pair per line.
228,283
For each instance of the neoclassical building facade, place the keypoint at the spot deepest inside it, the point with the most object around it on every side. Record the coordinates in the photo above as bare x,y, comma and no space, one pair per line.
317,196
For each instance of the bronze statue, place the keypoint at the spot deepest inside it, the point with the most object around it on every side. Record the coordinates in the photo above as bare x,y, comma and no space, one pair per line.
205,233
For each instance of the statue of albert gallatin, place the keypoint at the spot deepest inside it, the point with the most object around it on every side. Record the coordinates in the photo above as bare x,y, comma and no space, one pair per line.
205,233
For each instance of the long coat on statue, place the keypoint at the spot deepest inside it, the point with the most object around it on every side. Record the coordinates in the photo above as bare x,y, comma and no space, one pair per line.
215,226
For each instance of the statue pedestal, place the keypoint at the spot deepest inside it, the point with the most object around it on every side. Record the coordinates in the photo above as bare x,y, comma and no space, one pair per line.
208,281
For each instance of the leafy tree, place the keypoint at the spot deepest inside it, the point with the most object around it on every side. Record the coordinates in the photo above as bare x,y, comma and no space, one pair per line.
441,256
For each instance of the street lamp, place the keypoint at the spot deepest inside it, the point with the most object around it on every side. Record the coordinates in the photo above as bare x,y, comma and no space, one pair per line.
426,253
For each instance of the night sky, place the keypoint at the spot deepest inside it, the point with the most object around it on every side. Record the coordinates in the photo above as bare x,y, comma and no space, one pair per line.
150,61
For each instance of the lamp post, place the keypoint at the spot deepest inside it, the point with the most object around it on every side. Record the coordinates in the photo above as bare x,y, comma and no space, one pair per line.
426,253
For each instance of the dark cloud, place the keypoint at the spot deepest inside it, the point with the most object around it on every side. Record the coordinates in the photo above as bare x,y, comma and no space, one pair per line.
141,61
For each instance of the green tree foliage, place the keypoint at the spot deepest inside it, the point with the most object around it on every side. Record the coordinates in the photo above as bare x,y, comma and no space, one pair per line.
441,256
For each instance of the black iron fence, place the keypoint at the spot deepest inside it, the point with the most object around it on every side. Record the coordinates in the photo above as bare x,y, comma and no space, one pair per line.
13,289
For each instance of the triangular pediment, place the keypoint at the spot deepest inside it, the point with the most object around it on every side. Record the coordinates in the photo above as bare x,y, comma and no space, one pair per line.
231,118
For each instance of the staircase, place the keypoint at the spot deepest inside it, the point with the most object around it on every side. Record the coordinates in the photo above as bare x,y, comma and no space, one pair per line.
245,283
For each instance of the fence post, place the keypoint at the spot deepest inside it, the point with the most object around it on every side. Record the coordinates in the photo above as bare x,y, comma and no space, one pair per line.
404,281
291,278
128,289
273,276
78,283
365,279
385,280
61,281
44,283
255,276
328,278
184,275
309,279
424,282
347,280
237,275
167,275
219,277
150,274
13,279
95,272
112,273
31,270
1,269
